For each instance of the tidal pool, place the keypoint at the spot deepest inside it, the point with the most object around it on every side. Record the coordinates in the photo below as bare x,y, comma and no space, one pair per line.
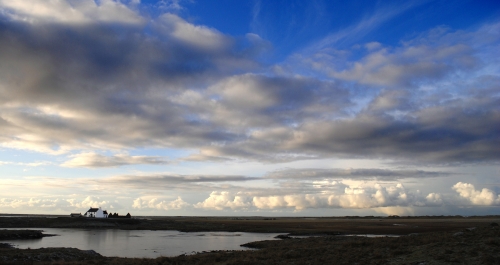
141,243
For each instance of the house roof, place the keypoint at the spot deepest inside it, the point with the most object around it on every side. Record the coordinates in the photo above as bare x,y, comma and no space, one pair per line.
92,210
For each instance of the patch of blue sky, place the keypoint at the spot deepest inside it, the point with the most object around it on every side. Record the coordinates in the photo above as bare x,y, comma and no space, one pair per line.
167,153
23,156
293,25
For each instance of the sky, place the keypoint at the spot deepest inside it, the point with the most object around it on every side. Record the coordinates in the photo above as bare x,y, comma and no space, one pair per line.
250,108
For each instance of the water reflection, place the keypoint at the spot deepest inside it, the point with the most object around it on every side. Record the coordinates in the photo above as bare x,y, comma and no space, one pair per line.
141,243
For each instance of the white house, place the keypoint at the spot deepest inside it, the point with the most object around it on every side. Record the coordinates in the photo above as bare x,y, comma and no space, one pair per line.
96,213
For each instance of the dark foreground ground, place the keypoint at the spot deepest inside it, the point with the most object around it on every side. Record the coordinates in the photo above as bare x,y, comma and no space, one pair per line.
426,240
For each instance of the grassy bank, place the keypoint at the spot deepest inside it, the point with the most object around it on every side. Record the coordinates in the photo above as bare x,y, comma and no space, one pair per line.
325,225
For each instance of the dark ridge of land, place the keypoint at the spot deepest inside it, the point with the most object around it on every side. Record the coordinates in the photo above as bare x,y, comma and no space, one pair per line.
291,225
478,245
21,234
6,245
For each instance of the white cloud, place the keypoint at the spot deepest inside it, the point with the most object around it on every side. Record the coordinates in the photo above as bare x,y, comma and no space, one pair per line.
156,203
90,201
352,197
408,64
225,200
73,12
477,197
170,5
434,199
195,35
67,11
52,204
246,91
396,210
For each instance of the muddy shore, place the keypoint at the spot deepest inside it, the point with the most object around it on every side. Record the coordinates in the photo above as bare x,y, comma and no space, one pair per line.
429,240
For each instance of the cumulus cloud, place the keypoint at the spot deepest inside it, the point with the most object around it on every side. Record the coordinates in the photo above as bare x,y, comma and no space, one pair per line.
434,199
51,204
94,160
477,197
32,203
351,197
224,200
156,203
88,202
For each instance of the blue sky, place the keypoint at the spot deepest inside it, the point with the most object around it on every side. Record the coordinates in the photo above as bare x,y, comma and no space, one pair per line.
286,108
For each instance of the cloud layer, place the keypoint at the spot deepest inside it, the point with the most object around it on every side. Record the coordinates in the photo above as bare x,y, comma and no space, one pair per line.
113,84
337,196
93,160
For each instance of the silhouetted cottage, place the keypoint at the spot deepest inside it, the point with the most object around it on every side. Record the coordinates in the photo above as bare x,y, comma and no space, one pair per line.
96,213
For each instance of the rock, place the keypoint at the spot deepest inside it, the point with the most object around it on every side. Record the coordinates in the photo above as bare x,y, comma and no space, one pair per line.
494,224
458,234
6,245
91,253
470,229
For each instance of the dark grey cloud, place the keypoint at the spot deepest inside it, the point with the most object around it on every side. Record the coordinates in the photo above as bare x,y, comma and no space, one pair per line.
181,178
458,130
110,78
171,181
260,100
310,174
